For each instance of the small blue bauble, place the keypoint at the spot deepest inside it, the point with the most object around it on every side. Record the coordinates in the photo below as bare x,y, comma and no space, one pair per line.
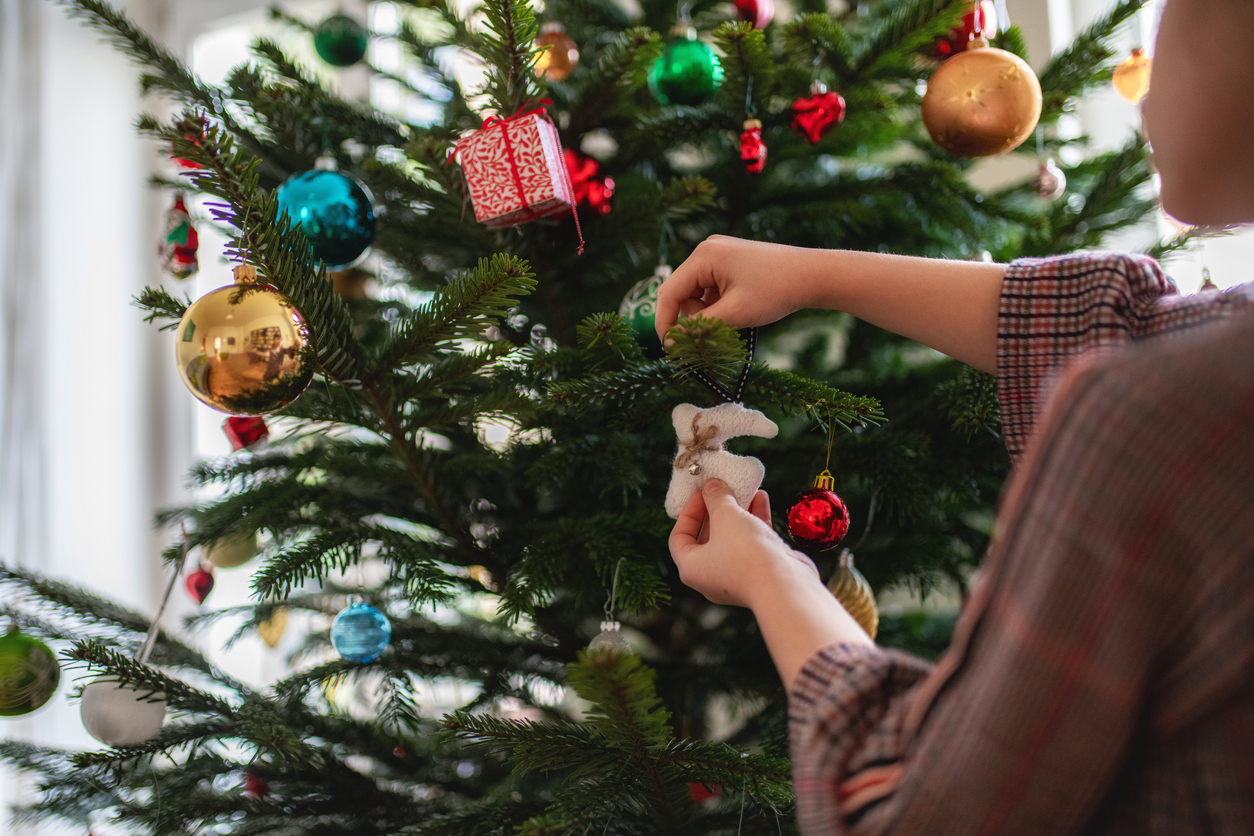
360,633
333,211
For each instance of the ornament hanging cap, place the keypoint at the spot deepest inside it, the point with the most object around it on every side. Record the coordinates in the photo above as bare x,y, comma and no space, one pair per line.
245,274
825,480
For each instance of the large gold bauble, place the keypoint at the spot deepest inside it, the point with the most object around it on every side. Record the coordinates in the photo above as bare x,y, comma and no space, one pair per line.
1132,78
271,630
562,56
982,102
854,593
234,550
244,349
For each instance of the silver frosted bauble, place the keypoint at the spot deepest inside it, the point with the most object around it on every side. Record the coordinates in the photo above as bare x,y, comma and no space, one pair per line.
609,641
119,715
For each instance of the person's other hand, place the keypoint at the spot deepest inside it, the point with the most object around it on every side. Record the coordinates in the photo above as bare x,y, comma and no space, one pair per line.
744,283
736,553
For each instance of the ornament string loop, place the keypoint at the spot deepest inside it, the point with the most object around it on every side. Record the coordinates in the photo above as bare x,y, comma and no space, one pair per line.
738,394
702,442
613,599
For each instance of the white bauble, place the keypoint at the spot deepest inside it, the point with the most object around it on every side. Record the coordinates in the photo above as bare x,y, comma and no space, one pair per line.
120,716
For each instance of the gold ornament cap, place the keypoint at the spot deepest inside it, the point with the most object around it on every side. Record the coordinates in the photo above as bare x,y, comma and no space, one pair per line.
854,593
750,124
245,274
826,481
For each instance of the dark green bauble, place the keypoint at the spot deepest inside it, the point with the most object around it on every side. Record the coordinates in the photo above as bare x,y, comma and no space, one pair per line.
340,40
639,307
29,674
686,73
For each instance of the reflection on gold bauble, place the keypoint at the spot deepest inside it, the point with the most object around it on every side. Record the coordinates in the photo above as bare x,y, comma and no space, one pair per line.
854,593
982,102
560,59
244,349
271,630
1132,77
232,551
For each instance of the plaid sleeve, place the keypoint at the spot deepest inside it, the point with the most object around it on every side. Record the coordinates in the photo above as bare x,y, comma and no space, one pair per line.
1112,619
846,723
1053,309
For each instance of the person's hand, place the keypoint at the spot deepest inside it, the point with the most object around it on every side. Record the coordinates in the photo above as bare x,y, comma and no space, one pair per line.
744,283
736,554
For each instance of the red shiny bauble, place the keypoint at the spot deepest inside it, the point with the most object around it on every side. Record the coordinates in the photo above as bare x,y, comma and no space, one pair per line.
752,148
817,113
200,584
982,15
758,12
817,519
245,431
587,187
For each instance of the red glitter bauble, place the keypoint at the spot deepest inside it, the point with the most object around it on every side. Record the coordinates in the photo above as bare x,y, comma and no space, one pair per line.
752,148
984,14
817,113
817,519
200,584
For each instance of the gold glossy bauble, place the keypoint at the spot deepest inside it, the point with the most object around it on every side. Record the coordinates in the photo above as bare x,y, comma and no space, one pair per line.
233,551
560,59
244,349
982,102
1132,77
854,593
271,630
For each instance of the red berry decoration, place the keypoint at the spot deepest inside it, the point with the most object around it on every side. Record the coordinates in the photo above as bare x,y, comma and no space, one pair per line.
584,183
982,18
818,518
752,148
245,431
758,12
200,584
818,113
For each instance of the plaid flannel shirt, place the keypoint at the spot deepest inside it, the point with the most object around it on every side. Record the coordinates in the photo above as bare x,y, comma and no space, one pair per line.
1101,675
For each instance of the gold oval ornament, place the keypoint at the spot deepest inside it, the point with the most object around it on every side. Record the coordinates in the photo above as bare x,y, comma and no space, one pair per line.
982,102
244,349
854,594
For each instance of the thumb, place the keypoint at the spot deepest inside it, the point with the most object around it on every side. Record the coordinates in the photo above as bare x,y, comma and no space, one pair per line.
719,498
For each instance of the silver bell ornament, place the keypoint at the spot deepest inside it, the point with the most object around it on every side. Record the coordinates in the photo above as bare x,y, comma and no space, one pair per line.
1049,182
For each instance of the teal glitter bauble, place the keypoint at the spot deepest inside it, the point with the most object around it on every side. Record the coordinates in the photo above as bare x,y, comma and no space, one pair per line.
360,633
333,211
686,73
340,40
29,674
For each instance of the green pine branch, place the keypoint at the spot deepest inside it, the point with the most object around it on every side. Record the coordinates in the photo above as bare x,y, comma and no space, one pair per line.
748,67
508,48
1083,63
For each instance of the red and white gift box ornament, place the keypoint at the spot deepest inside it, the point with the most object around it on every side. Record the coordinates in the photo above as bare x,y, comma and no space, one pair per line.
514,169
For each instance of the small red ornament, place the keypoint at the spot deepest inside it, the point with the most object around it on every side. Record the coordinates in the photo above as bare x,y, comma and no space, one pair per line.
399,752
254,786
758,12
200,584
818,113
587,188
818,518
700,792
244,431
752,148
982,18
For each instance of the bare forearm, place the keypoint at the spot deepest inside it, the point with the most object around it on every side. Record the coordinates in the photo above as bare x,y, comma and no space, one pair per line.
798,616
950,306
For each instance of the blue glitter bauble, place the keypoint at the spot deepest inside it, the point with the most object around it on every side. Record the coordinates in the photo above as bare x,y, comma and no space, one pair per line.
360,633
333,211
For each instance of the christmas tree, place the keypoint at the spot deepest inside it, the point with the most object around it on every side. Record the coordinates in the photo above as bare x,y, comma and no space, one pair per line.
495,564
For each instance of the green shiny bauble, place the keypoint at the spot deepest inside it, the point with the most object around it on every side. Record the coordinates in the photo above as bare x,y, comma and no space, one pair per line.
340,40
639,307
29,674
686,73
